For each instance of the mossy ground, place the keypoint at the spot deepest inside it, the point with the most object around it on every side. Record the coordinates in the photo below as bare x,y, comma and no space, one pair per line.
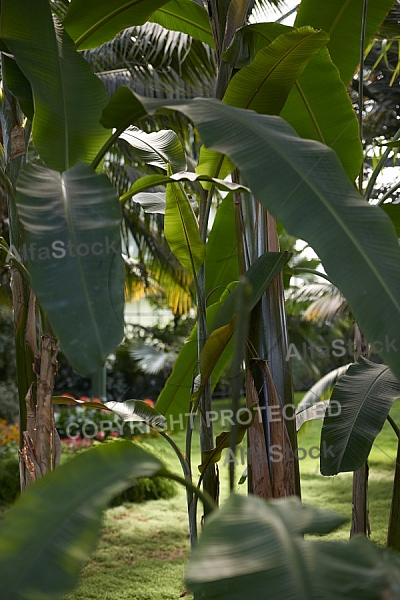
143,548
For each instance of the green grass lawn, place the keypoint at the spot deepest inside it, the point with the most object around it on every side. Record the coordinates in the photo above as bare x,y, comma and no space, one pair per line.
143,548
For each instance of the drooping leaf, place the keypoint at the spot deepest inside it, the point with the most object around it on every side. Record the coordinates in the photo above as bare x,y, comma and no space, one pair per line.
342,22
316,412
83,403
186,16
264,85
321,389
49,533
222,442
365,395
151,202
251,544
181,229
68,97
137,410
314,97
158,148
215,345
149,181
71,223
90,23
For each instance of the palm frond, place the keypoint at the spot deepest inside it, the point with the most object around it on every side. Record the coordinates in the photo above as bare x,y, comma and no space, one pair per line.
155,62
59,8
269,10
327,303
390,27
151,359
159,265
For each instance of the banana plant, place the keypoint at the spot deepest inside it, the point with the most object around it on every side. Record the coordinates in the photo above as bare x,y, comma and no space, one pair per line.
246,542
253,129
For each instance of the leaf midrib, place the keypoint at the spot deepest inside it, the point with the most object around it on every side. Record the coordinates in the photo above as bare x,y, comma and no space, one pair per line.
78,262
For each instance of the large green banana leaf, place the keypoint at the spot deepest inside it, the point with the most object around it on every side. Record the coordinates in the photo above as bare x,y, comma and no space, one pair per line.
317,94
364,395
341,19
250,548
303,184
186,16
265,83
91,23
319,108
68,97
53,528
149,181
71,222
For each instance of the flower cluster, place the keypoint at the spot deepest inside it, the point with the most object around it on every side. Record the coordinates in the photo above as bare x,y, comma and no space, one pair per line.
8,433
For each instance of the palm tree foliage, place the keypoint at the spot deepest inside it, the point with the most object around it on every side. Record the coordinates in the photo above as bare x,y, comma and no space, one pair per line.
155,62
159,63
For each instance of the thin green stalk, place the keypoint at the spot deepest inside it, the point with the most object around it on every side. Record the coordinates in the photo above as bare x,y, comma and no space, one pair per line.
206,428
394,426
379,167
312,271
204,497
184,464
105,148
393,537
187,473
